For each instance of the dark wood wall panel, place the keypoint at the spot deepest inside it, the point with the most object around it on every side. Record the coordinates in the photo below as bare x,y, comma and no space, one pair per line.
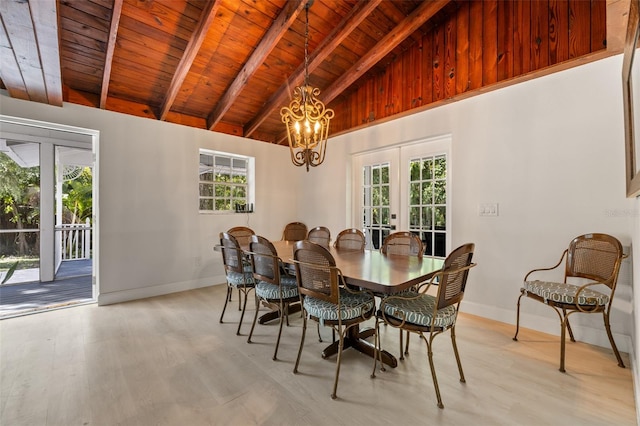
484,43
598,25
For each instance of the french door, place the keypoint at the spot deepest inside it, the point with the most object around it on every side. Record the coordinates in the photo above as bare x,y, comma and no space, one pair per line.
404,188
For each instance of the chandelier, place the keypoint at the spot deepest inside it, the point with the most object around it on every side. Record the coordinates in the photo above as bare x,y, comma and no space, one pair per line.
306,117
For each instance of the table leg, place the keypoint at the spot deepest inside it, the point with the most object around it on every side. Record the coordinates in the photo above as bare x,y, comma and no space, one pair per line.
272,315
356,339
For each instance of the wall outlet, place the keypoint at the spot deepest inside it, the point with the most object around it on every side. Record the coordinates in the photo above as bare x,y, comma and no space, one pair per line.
488,209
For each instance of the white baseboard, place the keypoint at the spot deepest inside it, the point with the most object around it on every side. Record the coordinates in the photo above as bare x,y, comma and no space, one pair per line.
633,360
157,290
548,324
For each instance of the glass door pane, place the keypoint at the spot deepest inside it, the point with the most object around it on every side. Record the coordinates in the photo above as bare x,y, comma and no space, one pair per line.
19,212
375,182
74,208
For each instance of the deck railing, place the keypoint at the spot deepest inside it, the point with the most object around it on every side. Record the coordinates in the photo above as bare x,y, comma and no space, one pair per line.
76,240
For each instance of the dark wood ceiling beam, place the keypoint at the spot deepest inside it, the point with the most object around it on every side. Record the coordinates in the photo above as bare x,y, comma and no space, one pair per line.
422,14
45,21
349,23
198,37
111,47
278,29
404,29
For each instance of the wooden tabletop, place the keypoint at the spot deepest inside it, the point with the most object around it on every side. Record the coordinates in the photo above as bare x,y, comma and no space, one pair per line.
372,270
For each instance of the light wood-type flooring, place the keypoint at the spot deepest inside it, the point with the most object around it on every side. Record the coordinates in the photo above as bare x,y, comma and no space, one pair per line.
168,361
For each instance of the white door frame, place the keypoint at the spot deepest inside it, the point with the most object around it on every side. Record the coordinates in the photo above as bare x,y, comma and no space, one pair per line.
48,135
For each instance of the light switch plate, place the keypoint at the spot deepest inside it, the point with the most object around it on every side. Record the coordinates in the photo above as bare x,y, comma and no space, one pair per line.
488,209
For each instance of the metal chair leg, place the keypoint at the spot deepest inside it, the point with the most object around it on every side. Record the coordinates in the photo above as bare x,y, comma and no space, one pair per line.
304,331
244,308
455,351
607,327
433,370
283,313
255,318
564,314
226,300
562,342
515,337
340,347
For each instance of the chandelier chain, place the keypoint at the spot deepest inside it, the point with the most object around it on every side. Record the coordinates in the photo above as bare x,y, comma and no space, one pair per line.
306,45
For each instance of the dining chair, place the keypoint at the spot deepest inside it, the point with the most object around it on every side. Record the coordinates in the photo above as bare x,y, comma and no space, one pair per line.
239,273
350,239
594,258
428,315
294,231
242,234
320,235
274,288
402,243
325,298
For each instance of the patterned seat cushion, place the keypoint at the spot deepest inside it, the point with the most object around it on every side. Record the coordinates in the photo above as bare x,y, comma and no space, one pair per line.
270,291
419,311
351,306
236,279
565,293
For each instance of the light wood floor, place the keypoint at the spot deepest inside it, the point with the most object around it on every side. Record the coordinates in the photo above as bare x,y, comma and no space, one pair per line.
167,361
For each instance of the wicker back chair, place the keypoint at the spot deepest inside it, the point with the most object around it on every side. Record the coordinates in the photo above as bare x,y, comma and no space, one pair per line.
402,243
238,273
294,231
592,257
320,235
325,298
242,234
350,239
274,288
427,315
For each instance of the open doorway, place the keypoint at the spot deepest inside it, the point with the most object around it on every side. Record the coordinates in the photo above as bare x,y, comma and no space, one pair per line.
47,219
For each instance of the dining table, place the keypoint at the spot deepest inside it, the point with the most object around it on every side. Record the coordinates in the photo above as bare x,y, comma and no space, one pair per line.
381,274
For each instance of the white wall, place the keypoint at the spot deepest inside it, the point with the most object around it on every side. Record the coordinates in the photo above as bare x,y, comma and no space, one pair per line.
550,151
152,240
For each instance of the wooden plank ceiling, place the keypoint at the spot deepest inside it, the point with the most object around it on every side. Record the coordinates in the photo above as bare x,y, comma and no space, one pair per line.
230,65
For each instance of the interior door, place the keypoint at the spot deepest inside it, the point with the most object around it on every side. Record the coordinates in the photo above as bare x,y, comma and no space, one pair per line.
405,188
376,182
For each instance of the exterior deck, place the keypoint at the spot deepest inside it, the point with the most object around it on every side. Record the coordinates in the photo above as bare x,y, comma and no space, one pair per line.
73,285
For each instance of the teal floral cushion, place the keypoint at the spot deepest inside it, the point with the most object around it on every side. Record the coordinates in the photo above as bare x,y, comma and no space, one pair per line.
236,279
270,291
351,306
565,293
419,311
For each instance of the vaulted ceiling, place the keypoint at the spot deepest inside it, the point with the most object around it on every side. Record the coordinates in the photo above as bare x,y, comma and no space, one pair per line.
230,65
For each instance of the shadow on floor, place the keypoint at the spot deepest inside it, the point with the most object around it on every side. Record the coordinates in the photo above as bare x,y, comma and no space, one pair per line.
73,285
